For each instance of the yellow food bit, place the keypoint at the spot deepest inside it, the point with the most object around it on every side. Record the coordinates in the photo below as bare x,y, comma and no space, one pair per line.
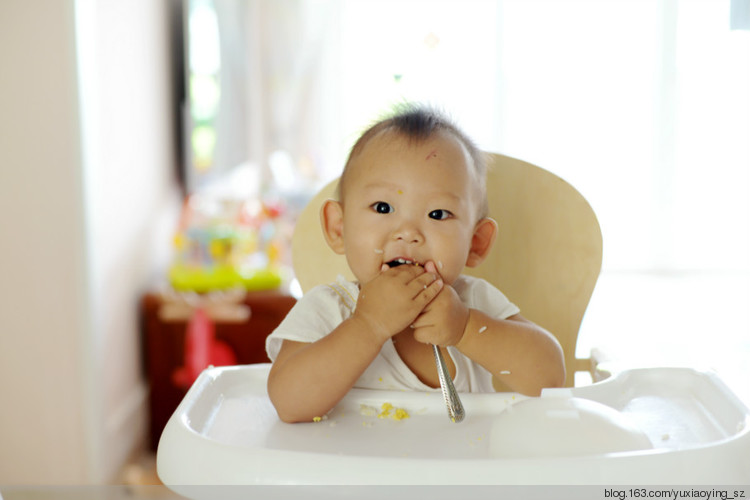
400,414
389,411
387,407
317,419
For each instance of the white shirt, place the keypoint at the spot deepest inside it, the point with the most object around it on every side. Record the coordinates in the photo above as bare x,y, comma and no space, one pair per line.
324,307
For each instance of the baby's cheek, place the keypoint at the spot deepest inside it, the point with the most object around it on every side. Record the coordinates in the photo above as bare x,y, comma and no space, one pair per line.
365,267
449,270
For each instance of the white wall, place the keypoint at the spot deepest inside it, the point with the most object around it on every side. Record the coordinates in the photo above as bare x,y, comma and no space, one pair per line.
87,203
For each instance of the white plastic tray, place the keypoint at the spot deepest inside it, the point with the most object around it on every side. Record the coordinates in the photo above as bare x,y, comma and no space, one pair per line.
645,426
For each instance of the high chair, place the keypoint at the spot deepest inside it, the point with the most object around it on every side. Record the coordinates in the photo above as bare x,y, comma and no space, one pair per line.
546,258
648,426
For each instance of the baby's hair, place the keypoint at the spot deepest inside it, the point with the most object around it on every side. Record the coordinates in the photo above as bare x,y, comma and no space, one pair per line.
417,122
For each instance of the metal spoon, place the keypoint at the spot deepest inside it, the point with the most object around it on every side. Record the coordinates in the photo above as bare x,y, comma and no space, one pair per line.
452,401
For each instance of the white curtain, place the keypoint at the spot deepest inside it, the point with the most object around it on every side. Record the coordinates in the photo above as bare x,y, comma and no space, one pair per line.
275,114
642,105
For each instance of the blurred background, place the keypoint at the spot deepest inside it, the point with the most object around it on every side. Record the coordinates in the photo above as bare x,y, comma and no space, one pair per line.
126,124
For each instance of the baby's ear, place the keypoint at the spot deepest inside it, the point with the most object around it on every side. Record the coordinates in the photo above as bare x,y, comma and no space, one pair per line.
485,233
332,220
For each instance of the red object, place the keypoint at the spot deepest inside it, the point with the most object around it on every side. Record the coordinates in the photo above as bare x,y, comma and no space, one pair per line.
164,347
202,350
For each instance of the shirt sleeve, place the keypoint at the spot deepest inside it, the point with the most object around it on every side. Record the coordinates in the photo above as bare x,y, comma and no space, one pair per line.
479,294
314,316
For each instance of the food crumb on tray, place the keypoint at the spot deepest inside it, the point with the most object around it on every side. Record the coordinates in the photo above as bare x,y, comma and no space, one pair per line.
367,411
387,411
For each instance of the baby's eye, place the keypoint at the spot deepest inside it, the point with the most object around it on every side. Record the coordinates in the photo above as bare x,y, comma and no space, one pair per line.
440,214
382,207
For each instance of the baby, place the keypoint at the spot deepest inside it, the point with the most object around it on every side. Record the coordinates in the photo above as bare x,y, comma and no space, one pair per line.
411,214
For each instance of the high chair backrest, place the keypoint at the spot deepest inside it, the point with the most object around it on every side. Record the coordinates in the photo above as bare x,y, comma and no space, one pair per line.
546,258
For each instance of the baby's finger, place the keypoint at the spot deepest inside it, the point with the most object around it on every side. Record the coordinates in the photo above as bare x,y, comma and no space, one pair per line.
429,291
427,334
421,322
430,267
422,281
404,272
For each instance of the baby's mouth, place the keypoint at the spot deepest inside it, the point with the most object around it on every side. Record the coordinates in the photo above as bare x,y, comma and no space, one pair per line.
400,262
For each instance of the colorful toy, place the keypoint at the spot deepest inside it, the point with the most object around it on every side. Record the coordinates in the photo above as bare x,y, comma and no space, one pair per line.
226,244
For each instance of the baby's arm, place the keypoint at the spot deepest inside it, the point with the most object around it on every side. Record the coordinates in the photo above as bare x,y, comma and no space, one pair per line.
308,379
522,354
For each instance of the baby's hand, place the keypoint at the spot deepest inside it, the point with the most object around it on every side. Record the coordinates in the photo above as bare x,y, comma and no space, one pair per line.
443,320
392,300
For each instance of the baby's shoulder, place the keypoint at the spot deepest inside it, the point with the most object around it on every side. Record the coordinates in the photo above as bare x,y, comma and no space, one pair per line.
467,284
338,294
481,294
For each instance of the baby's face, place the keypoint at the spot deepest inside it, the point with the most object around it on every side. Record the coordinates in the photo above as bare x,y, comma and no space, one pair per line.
416,201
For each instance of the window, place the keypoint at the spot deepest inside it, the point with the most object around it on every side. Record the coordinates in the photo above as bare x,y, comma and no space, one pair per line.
642,105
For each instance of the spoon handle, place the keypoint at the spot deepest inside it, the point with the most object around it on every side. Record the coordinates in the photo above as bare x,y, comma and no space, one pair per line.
452,401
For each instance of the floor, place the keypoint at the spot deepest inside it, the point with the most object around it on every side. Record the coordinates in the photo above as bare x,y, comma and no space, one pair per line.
115,492
141,475
138,481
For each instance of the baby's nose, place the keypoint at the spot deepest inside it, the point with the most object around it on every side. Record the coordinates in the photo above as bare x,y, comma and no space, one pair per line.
408,232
